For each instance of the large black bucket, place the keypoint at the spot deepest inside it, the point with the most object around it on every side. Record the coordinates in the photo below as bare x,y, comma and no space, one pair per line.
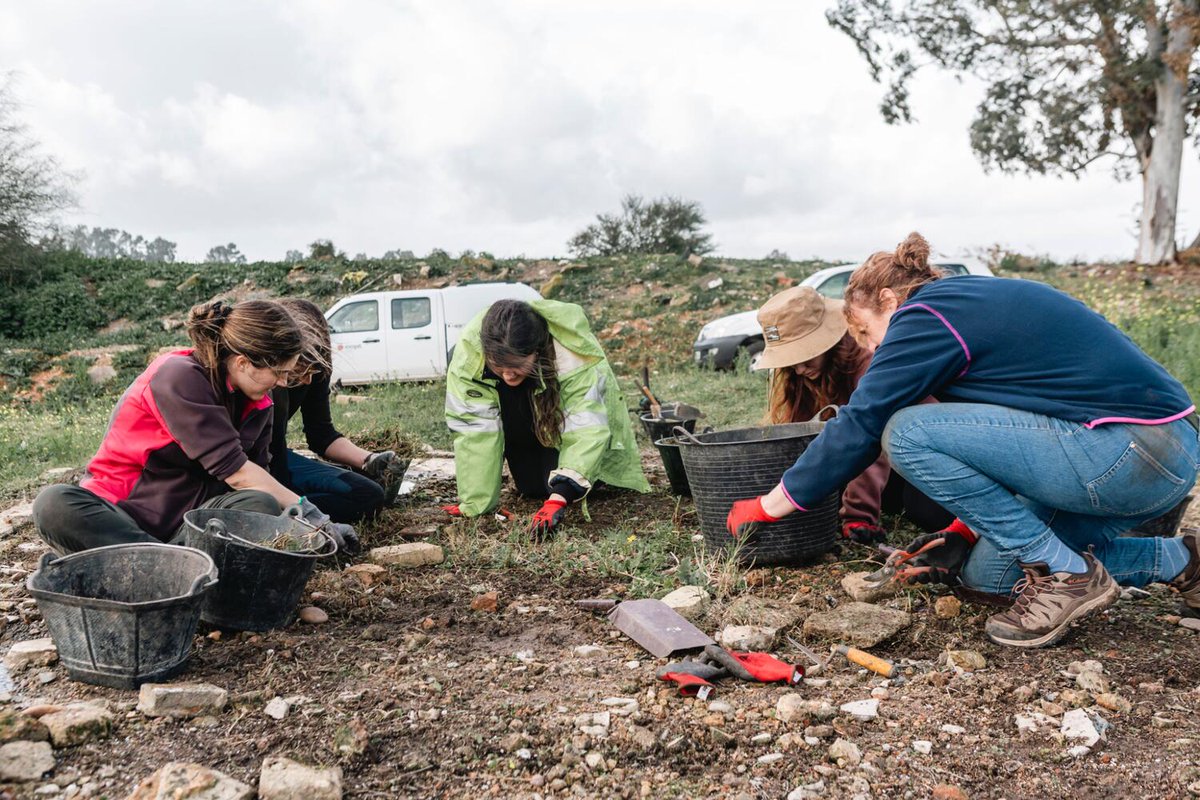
661,432
260,585
125,614
725,466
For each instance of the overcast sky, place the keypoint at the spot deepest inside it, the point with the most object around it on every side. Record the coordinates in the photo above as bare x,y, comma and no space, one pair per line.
507,126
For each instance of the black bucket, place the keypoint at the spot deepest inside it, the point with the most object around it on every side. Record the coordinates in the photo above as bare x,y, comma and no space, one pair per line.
125,614
661,432
260,585
732,465
1166,525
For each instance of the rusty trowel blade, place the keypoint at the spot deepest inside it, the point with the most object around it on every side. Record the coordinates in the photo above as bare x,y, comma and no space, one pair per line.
657,627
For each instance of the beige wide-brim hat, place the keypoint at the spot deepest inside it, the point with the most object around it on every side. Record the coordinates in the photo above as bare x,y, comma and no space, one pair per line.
798,324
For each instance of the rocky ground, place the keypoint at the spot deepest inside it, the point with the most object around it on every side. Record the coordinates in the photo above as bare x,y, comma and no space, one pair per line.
458,681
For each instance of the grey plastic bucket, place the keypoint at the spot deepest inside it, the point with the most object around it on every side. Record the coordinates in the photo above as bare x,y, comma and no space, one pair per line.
725,466
125,614
260,585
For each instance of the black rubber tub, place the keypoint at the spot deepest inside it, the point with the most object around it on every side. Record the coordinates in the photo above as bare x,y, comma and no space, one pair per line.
725,466
260,584
661,432
123,615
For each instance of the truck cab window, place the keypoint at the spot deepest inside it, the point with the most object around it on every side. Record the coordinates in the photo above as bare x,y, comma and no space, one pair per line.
355,318
411,312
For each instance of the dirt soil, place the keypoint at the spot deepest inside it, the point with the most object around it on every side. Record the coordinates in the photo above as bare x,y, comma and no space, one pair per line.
415,694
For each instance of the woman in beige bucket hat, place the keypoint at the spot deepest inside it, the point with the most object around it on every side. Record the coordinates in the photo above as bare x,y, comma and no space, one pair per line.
817,363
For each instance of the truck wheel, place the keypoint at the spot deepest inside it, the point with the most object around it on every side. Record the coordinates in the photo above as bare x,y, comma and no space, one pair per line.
751,353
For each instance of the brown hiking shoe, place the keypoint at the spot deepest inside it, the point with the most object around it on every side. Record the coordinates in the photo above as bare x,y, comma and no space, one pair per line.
1188,582
1047,603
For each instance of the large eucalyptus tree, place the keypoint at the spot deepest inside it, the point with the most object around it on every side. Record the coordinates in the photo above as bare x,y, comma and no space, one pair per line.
1068,83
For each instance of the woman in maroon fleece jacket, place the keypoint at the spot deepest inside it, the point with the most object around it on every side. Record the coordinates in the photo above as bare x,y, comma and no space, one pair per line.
193,430
817,364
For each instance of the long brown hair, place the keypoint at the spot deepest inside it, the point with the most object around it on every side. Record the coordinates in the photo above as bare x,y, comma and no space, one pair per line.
261,330
795,398
904,270
512,331
316,356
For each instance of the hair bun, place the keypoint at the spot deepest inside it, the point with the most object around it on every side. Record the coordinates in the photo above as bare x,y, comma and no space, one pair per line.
212,313
913,252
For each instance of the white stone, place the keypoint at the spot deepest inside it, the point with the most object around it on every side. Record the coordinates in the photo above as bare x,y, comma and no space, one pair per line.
181,700
594,760
862,709
953,730
31,653
25,761
277,708
923,746
1079,750
808,791
410,554
770,758
855,584
1078,724
284,779
844,750
48,789
176,779
720,707
589,651
689,602
78,723
748,637
793,707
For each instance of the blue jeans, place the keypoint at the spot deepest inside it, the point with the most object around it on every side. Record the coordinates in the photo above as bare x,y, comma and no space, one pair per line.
344,495
1019,479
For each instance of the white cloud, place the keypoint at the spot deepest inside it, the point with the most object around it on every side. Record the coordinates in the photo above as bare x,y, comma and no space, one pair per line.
507,126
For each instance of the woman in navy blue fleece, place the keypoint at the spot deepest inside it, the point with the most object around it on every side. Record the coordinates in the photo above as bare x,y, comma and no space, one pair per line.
1054,435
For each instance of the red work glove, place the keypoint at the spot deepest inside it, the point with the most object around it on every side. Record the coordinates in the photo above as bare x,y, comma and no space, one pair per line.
745,516
548,517
690,685
863,532
766,668
453,510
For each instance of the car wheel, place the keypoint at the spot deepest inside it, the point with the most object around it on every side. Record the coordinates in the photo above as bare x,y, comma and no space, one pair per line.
752,353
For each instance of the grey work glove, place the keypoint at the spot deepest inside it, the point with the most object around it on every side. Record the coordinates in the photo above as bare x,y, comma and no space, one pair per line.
344,535
388,471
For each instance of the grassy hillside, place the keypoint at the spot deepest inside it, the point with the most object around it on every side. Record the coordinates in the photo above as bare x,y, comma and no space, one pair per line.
647,310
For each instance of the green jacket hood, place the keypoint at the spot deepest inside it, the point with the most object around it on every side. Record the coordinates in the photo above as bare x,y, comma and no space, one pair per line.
568,326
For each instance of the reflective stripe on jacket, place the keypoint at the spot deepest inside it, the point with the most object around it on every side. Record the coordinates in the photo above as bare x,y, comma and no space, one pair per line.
597,438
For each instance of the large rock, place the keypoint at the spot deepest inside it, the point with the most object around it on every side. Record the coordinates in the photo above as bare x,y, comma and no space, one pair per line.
31,653
178,781
410,554
689,601
181,700
25,761
855,585
859,624
284,779
748,637
78,723
16,727
764,612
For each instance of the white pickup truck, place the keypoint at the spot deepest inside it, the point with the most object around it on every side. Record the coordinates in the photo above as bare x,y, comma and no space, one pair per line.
407,335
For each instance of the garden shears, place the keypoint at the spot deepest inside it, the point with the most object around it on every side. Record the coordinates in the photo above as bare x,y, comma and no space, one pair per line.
894,568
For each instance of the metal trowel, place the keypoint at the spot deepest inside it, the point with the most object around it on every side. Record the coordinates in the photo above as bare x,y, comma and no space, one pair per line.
653,624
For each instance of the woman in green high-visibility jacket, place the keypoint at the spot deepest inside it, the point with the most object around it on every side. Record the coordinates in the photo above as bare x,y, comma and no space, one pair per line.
529,384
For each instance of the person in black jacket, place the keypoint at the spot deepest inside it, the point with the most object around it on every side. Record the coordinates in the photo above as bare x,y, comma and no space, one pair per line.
344,494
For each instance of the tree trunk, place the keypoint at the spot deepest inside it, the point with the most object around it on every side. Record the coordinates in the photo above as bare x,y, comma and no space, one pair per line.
1160,172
